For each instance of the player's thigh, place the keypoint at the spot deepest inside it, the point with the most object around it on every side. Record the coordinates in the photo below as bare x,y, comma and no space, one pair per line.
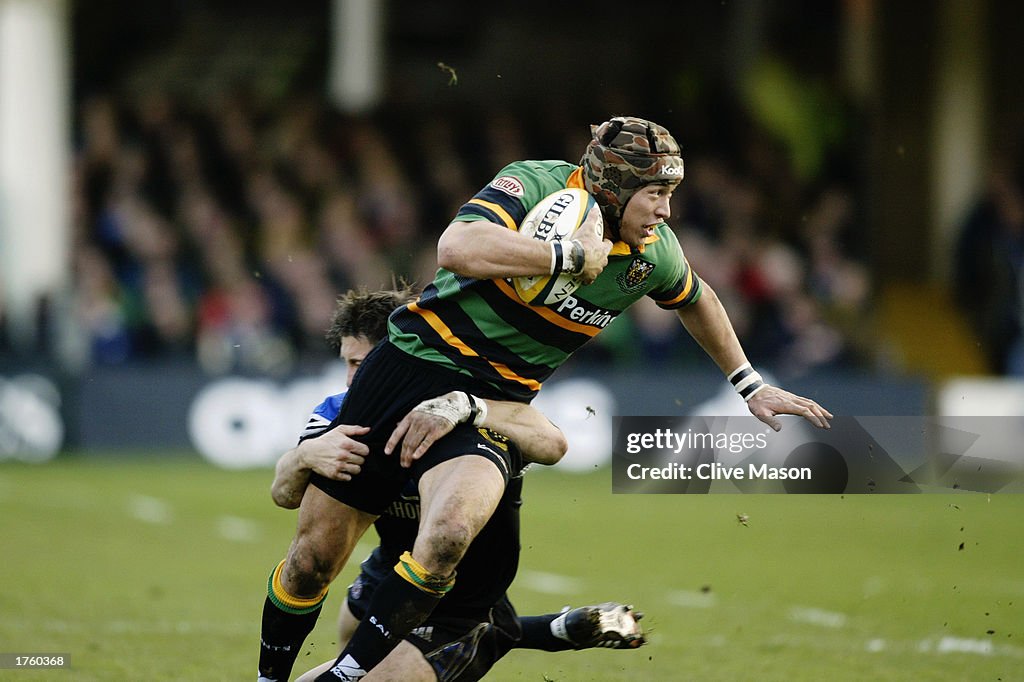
404,664
469,486
325,535
457,497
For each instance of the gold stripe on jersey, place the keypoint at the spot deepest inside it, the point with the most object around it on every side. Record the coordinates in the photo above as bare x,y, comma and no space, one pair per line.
685,292
548,314
575,179
691,281
498,211
438,325
622,249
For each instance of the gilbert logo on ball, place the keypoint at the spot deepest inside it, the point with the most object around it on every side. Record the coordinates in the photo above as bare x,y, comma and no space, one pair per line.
555,218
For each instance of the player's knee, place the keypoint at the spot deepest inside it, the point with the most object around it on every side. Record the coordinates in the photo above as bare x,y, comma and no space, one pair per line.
307,573
445,544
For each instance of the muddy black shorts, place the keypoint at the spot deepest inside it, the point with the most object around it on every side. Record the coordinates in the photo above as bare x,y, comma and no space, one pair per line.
388,384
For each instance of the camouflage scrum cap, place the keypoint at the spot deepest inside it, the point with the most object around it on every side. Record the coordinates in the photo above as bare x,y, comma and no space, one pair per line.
625,154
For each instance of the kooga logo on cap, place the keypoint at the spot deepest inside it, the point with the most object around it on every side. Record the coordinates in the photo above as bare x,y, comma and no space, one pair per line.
672,170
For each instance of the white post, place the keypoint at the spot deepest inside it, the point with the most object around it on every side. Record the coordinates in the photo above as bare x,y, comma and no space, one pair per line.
34,155
959,115
356,58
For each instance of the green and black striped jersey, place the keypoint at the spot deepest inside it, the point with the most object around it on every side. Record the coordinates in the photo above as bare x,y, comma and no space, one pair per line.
482,328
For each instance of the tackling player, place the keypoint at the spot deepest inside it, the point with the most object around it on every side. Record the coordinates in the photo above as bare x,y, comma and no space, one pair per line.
476,624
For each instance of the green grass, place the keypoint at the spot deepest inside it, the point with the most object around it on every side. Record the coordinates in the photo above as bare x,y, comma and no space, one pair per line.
154,568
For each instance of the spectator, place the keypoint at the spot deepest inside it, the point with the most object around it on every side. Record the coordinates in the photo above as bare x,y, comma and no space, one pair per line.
100,308
990,269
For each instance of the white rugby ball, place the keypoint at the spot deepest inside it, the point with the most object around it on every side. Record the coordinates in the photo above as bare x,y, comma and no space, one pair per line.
556,217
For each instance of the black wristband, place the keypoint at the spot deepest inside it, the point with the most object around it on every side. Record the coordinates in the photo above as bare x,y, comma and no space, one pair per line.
746,381
577,258
473,409
558,258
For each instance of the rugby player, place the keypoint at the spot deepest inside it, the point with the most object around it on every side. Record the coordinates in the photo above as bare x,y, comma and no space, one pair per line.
476,624
469,332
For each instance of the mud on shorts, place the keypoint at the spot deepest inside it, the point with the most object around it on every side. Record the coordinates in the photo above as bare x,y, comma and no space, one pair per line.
388,384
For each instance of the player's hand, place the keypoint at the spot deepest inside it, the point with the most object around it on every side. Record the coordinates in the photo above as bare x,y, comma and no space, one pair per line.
335,454
426,423
772,400
595,246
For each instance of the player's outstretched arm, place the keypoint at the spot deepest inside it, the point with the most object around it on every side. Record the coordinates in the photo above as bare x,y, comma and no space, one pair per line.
333,454
708,323
537,438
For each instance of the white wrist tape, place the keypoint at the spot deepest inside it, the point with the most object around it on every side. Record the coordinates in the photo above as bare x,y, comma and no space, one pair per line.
454,407
746,381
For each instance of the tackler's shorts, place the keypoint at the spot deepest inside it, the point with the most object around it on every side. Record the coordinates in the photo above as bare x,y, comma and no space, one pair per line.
388,384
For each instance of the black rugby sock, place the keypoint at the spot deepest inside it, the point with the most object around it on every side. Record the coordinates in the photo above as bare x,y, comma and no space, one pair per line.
287,621
402,601
537,634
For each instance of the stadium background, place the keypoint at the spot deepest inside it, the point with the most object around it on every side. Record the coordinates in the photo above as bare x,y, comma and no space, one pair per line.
185,186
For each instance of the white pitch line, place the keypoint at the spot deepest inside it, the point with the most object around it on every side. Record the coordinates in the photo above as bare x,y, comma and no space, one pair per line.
149,509
550,583
815,616
238,529
962,645
928,647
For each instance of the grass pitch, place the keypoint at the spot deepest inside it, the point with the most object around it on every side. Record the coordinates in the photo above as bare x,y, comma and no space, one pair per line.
155,568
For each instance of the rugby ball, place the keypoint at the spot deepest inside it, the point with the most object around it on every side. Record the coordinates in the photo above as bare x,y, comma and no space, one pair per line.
556,217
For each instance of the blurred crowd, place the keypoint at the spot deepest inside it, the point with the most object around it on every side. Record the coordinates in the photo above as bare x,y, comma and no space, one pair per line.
223,231
989,267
